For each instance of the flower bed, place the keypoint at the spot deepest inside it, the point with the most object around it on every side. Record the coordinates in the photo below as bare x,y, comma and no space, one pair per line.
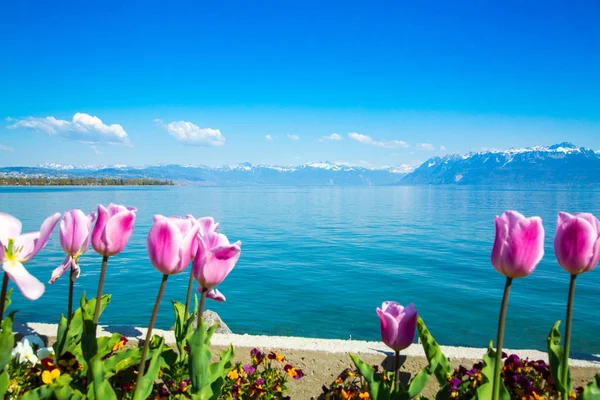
83,365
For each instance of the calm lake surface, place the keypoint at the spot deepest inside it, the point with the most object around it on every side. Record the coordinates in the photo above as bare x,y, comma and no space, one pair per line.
317,261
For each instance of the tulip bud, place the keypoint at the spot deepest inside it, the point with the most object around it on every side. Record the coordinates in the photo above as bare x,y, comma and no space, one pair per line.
113,229
398,324
170,243
577,242
519,244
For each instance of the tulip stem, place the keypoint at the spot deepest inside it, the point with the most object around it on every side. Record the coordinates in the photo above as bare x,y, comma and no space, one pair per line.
397,372
142,366
3,296
201,309
70,309
100,289
500,340
565,366
188,299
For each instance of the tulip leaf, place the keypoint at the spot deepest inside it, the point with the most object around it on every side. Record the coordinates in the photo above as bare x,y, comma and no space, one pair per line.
592,390
555,356
7,300
434,354
4,382
7,340
122,360
183,327
377,389
156,347
484,392
418,383
199,358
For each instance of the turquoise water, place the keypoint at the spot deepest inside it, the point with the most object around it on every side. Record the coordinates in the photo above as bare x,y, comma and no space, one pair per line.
317,261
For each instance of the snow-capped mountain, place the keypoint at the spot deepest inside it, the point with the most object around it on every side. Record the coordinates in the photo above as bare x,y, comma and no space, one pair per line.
322,173
562,163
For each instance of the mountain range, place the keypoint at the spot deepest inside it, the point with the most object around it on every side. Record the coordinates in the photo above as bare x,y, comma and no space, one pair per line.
559,164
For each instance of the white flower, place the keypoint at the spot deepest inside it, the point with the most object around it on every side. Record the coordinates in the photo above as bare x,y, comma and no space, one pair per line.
23,352
45,352
34,340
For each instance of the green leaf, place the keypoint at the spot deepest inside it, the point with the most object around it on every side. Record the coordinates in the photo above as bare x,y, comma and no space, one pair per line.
592,390
199,358
7,340
220,368
434,354
419,381
151,374
122,360
377,388
4,382
484,392
555,355
7,301
100,387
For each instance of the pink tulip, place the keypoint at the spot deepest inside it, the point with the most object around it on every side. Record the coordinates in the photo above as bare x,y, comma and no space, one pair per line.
577,242
207,225
20,248
113,229
214,259
213,294
75,237
519,244
170,243
398,324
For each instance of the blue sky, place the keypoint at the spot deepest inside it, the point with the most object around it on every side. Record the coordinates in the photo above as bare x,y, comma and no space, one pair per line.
206,82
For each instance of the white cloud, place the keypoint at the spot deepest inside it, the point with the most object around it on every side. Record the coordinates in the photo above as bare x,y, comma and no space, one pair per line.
425,146
5,148
332,137
83,128
293,137
443,148
268,137
365,139
192,135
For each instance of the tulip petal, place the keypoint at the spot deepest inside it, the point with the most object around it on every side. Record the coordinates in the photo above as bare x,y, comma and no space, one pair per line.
164,242
200,258
187,247
103,216
61,269
525,247
591,219
118,231
389,328
74,231
213,294
574,243
219,263
26,244
10,228
499,249
596,258
207,224
86,243
44,234
30,287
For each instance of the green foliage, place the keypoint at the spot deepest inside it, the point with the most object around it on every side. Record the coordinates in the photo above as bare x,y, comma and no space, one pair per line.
434,354
555,355
484,392
592,390
7,342
7,301
207,379
379,389
147,383
183,326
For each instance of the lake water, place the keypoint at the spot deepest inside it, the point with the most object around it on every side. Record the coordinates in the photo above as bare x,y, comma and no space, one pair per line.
317,261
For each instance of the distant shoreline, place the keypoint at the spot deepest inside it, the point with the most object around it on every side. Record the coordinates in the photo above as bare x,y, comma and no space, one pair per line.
45,181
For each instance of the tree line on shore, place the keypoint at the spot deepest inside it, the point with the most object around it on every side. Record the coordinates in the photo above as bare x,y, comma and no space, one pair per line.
85,181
